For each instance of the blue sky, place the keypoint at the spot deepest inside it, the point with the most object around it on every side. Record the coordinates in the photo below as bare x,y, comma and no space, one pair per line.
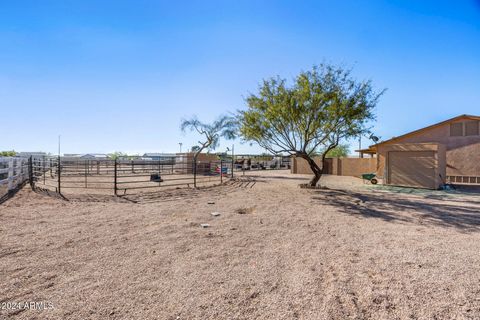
120,75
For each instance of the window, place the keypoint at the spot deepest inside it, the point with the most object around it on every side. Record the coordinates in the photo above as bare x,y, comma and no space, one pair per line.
471,128
456,129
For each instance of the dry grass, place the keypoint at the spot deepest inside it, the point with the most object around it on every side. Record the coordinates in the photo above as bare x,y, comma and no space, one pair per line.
347,252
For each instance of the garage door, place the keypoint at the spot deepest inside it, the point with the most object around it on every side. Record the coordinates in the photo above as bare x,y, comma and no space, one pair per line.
412,168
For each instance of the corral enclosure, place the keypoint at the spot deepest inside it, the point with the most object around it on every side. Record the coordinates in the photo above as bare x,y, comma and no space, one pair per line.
120,177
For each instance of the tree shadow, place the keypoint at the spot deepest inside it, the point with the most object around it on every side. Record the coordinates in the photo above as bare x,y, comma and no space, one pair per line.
462,215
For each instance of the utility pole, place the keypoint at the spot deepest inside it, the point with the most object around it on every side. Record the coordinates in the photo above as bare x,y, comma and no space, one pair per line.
233,160
360,154
59,145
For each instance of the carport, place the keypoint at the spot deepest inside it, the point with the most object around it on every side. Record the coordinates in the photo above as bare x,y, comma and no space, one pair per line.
421,165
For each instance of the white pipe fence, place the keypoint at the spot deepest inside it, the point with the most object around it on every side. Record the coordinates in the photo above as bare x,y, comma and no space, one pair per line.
13,172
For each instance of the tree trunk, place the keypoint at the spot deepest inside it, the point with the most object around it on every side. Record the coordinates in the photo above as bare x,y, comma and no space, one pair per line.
315,169
194,168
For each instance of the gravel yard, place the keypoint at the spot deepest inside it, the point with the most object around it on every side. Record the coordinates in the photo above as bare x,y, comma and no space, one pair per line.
276,251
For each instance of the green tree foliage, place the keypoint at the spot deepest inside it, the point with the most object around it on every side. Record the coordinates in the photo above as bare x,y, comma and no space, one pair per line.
117,155
223,127
342,150
323,107
7,153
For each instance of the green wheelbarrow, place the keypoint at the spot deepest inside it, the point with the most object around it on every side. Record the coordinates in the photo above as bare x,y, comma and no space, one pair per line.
370,177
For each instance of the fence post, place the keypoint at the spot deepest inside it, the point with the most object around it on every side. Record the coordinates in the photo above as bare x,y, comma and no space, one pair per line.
22,169
20,165
59,176
44,171
30,172
86,165
10,174
194,172
115,177
221,170
233,164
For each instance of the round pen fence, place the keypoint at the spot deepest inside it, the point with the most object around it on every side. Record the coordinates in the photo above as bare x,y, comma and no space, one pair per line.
120,177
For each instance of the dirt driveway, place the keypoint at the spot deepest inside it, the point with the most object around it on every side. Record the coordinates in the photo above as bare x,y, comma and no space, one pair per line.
275,252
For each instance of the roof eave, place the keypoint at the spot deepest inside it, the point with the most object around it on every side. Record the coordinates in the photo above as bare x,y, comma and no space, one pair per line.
467,116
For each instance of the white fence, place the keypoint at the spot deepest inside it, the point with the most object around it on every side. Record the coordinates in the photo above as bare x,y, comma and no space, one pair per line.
13,172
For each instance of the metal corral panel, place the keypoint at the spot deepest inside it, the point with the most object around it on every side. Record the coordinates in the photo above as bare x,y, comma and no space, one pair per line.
412,168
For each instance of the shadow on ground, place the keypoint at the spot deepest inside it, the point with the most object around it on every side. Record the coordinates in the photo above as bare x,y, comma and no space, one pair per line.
463,215
11,193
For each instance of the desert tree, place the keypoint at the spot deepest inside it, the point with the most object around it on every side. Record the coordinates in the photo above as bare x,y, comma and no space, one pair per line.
321,108
342,150
116,155
8,153
223,127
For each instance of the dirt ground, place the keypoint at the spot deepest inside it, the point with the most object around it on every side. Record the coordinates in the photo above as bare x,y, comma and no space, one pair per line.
103,184
275,252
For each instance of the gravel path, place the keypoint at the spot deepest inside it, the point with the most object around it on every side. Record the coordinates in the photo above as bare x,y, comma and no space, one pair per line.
275,252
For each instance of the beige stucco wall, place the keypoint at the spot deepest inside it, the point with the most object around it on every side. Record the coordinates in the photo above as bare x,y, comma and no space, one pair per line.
337,166
462,153
301,166
356,166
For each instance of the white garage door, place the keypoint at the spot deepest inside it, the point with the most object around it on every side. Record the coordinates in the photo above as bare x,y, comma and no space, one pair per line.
412,168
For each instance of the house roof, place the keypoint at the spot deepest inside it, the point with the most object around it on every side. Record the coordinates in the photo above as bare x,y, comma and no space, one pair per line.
25,153
369,150
85,155
94,155
157,154
460,117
